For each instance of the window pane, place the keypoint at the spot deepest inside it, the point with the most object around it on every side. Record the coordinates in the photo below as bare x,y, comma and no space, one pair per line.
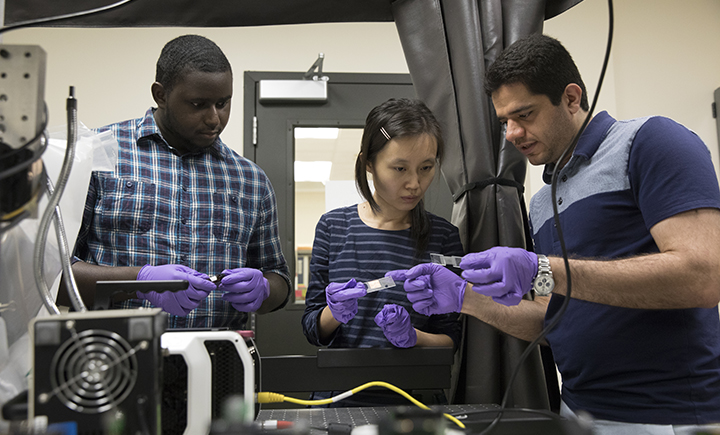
324,180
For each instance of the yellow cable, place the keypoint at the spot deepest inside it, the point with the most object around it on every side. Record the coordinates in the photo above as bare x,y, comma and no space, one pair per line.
267,397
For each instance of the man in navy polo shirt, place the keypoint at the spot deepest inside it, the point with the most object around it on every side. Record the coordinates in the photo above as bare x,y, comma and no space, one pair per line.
639,345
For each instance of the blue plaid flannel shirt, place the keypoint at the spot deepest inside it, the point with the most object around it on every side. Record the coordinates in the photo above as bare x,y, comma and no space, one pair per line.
210,211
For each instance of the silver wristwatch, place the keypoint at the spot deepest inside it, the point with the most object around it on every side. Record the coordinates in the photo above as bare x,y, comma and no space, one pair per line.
543,284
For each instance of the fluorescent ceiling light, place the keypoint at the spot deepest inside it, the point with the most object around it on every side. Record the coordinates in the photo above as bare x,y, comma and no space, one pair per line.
312,171
316,133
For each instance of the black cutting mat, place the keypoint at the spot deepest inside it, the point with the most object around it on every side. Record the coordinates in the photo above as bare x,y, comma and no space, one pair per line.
317,419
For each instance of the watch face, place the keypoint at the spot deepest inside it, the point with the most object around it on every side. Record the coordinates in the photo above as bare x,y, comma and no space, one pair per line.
543,285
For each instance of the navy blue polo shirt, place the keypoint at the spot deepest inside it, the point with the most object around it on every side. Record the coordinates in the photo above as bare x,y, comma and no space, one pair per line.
631,365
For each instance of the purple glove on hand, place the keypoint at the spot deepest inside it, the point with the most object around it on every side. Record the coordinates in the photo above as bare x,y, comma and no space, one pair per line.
342,299
245,288
178,303
395,323
503,273
432,288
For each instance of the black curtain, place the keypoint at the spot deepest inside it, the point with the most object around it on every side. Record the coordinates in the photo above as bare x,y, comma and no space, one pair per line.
198,13
448,45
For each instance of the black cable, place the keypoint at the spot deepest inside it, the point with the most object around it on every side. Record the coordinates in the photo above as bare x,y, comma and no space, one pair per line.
556,216
140,407
38,21
36,153
540,412
17,167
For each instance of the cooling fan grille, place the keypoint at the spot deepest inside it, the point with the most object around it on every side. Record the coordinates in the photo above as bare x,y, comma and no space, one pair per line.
101,369
94,371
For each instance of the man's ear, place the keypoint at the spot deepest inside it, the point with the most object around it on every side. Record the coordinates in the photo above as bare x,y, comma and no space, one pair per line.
573,94
158,93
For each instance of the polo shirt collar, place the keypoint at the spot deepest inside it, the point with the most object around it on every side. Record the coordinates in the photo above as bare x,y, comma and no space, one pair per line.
588,143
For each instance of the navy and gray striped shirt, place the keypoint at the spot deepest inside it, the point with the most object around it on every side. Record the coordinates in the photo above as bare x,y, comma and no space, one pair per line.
626,364
346,248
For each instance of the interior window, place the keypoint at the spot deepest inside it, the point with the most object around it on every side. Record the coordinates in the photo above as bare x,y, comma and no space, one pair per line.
324,174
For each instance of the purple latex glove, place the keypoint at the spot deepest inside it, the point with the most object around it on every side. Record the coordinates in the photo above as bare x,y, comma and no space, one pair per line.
245,288
178,303
342,299
503,273
395,323
432,288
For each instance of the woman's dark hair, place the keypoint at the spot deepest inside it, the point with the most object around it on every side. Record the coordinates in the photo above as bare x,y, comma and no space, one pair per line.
189,53
540,63
395,118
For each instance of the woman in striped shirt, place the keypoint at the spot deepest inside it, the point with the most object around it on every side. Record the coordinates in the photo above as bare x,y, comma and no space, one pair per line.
401,149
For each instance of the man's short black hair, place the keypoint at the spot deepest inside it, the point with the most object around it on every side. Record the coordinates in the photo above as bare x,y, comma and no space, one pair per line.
189,53
539,62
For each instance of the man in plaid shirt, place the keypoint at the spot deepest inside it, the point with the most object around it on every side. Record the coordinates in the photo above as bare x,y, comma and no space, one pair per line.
182,205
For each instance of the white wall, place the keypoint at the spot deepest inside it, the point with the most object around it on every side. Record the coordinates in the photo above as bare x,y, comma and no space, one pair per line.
665,60
112,69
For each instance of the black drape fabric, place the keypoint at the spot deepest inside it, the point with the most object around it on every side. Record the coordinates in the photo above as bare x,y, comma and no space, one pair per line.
448,45
194,13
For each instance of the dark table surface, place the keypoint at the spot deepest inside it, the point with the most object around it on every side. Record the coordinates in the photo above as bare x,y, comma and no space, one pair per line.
319,421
